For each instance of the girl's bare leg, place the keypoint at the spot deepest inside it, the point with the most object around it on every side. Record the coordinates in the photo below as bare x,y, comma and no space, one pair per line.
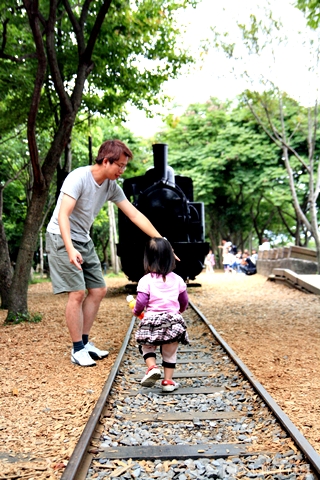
169,355
150,361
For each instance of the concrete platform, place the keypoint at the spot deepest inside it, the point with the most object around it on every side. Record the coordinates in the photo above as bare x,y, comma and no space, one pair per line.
298,259
306,283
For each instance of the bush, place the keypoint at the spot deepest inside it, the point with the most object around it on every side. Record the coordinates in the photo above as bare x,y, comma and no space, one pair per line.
15,318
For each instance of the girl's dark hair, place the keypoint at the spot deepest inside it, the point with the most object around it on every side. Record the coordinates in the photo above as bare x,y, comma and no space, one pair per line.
158,257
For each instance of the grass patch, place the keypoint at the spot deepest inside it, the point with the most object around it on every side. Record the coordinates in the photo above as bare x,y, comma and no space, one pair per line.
115,275
38,279
16,318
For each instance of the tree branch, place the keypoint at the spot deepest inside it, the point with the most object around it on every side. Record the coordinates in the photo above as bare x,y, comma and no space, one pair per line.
292,233
294,130
5,56
84,12
260,122
66,104
85,65
271,124
280,142
32,11
317,187
12,137
77,27
297,207
96,28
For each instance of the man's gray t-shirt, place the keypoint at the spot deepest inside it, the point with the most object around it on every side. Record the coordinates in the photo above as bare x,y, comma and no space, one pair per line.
90,197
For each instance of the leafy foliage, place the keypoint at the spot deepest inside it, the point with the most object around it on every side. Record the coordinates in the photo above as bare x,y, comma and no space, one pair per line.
16,318
291,128
312,10
63,62
236,170
135,53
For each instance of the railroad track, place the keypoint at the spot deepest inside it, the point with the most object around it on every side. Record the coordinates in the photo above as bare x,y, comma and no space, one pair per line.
221,422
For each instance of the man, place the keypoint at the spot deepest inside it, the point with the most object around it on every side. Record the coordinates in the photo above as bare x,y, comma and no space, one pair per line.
74,264
247,266
265,245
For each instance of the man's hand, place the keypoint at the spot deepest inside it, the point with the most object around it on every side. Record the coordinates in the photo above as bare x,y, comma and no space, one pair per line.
175,256
75,258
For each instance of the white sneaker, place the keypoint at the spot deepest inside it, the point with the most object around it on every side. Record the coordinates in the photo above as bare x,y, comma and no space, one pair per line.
169,385
95,352
82,358
152,375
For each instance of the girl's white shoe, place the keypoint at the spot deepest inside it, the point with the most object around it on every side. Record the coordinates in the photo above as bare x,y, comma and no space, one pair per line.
169,385
152,375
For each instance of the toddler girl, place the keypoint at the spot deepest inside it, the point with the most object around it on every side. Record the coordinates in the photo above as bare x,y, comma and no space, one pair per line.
163,295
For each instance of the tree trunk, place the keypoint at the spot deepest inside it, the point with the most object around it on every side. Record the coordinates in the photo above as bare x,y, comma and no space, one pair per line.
318,254
314,223
46,54
19,287
297,233
41,254
5,268
90,150
64,168
250,242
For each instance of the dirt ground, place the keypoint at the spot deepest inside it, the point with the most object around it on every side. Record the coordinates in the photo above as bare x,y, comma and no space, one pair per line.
45,401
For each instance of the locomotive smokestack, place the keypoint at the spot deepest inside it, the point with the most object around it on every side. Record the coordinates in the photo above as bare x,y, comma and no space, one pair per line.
160,160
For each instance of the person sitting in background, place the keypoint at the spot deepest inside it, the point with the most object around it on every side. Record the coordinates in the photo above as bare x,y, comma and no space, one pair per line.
228,260
254,256
265,244
247,266
236,263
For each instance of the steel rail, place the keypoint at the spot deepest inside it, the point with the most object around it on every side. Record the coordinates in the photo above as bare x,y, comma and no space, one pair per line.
75,463
294,433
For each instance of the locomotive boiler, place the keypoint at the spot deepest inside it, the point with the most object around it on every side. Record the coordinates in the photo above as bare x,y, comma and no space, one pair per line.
166,200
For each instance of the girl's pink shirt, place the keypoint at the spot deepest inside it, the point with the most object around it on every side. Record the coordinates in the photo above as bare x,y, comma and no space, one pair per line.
163,296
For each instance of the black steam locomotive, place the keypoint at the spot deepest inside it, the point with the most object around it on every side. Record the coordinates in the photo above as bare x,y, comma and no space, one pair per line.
166,200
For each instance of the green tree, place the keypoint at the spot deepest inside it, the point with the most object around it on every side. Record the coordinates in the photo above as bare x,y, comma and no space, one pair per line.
312,10
293,129
62,59
285,130
236,170
13,164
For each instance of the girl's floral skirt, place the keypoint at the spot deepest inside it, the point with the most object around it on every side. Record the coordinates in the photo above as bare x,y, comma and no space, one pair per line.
160,328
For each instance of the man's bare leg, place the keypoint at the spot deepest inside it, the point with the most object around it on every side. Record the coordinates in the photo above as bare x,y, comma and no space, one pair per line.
74,316
91,306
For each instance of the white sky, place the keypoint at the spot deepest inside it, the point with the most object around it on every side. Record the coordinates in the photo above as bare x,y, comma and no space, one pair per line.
212,76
